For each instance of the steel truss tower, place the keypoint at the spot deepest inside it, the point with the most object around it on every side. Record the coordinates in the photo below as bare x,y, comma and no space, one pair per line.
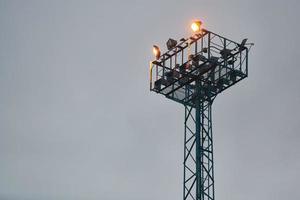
192,73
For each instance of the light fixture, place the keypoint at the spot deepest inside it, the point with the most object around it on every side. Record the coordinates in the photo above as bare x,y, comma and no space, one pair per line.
156,51
243,42
196,26
171,43
242,45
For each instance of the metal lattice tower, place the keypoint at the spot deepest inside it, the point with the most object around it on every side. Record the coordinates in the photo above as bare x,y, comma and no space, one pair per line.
192,73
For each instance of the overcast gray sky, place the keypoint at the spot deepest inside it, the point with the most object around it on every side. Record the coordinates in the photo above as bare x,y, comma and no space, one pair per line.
77,120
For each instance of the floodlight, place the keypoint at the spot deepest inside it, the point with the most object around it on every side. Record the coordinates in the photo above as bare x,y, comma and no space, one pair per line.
225,53
196,26
243,42
242,45
156,51
171,43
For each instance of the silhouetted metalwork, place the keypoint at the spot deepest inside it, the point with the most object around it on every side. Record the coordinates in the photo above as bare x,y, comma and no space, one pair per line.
193,72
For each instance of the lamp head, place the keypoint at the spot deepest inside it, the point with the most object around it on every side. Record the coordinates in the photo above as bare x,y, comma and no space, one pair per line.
196,26
156,52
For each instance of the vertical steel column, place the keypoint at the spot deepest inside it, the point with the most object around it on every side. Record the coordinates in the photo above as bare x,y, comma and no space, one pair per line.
199,185
198,103
198,153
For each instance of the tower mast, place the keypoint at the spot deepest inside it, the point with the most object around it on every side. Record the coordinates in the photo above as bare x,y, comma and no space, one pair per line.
194,80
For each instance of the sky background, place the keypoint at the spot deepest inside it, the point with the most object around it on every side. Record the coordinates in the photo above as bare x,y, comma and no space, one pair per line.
77,119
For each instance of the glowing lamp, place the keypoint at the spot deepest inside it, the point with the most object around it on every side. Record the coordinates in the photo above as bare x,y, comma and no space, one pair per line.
156,52
196,26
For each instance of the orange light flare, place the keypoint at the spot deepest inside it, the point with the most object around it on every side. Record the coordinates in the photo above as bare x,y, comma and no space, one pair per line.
197,26
156,52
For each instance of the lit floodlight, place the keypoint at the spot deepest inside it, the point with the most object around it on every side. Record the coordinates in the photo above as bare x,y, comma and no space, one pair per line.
156,51
171,43
196,26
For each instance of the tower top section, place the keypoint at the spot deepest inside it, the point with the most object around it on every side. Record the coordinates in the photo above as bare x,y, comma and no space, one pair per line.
198,67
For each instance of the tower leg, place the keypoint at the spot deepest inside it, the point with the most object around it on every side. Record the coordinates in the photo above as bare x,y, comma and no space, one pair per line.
198,153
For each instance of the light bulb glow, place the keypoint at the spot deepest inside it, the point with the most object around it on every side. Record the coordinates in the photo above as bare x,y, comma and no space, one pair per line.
196,26
156,51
